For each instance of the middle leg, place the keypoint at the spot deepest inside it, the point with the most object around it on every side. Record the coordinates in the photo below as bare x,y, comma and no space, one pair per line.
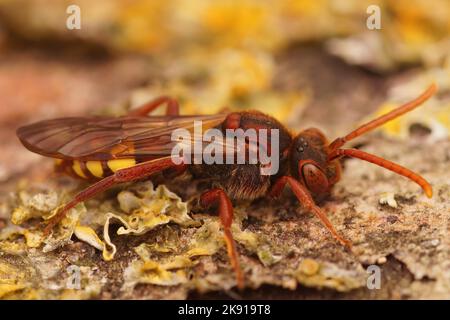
219,197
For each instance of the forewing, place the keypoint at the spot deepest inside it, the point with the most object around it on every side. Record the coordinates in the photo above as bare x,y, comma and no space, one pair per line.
103,138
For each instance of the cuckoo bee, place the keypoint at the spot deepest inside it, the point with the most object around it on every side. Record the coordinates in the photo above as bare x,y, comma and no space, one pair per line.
138,145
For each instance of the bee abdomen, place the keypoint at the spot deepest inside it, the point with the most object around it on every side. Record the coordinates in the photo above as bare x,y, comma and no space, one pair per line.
92,169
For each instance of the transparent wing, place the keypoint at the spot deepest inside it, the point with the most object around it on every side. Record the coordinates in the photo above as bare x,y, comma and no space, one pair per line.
103,138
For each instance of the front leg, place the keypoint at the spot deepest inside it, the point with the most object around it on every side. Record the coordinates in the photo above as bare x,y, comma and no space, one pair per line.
219,198
136,172
307,201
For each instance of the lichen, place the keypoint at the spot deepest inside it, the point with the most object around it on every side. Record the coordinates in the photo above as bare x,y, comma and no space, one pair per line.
389,199
311,273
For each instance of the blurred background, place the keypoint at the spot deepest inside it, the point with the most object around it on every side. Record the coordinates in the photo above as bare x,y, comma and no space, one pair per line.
308,63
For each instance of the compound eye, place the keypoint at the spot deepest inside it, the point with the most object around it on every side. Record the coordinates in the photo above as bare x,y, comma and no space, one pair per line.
315,179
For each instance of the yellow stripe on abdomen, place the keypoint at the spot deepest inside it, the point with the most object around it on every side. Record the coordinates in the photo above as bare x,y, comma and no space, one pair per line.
118,164
95,168
76,166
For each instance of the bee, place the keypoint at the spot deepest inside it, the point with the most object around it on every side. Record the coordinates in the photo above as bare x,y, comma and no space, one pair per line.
112,150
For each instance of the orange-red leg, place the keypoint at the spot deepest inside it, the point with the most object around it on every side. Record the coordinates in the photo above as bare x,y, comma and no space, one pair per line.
124,175
219,198
173,108
307,201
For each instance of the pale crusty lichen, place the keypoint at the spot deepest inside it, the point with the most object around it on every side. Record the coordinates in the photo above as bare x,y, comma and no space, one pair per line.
168,271
34,206
148,208
45,206
389,199
311,273
170,264
142,209
11,279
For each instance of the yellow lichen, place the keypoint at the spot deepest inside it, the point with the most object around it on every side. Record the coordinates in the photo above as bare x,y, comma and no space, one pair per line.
145,208
309,267
433,115
169,271
12,279
62,233
44,206
89,236
34,206
156,206
312,273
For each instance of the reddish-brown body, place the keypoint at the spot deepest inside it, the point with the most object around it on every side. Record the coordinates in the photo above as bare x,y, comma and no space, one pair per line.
117,150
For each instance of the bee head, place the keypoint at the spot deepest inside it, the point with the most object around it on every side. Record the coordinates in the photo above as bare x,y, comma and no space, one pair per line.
309,162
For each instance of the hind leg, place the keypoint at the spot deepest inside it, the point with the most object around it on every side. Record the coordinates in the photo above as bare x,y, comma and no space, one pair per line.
173,108
136,172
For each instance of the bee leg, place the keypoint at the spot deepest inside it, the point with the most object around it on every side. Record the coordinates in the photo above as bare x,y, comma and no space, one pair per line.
136,172
307,201
173,108
219,198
